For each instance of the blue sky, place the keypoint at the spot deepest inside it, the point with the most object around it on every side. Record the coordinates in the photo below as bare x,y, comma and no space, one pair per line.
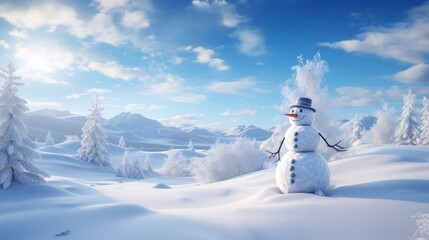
213,63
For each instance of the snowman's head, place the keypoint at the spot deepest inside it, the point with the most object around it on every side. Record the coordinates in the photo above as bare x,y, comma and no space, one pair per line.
300,116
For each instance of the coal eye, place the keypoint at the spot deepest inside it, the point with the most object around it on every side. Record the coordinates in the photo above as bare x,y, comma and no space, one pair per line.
300,110
292,111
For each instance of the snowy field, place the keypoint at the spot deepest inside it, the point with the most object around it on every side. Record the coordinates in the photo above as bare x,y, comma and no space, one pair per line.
376,192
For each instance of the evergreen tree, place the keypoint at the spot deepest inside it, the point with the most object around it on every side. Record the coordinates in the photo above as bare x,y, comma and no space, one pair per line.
191,146
121,142
49,139
424,124
407,131
125,166
94,139
16,148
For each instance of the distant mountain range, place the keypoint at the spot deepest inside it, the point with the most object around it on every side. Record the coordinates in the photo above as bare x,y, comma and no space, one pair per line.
249,131
137,130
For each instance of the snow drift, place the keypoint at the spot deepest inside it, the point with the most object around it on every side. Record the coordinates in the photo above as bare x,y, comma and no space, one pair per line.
376,192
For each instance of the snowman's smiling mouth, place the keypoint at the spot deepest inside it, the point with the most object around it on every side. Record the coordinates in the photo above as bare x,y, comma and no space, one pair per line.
298,119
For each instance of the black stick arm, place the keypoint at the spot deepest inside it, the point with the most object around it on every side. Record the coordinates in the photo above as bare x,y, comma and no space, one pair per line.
335,146
273,154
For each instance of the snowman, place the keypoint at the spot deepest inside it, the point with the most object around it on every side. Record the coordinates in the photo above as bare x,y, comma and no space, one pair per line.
302,169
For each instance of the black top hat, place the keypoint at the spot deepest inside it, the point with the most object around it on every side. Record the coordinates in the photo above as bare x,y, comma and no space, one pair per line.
303,103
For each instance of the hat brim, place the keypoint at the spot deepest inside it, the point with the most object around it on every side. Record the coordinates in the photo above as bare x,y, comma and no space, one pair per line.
302,106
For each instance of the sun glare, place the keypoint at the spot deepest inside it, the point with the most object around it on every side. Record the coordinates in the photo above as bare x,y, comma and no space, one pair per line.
39,60
44,58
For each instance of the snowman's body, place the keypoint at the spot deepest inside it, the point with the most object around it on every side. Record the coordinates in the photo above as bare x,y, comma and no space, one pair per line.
302,169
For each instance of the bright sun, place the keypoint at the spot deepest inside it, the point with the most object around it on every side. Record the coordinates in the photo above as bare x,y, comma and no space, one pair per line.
44,58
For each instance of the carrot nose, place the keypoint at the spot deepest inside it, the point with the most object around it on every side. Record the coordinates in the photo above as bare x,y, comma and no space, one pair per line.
294,115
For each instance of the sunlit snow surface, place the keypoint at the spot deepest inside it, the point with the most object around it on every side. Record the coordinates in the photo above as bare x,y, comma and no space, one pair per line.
376,192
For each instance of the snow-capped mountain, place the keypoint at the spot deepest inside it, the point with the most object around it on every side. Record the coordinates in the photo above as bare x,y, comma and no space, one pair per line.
137,130
249,131
132,121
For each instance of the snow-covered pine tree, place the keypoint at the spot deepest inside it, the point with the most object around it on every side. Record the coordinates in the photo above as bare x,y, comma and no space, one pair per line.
121,142
94,139
424,124
125,166
49,139
191,146
16,148
408,131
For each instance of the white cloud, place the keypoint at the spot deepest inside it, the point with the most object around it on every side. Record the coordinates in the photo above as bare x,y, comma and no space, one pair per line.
189,98
406,41
416,73
172,84
183,119
4,44
203,4
43,104
174,90
251,42
39,14
37,76
134,107
111,4
246,112
233,87
92,91
177,60
135,20
205,56
113,69
227,12
18,34
100,27
363,97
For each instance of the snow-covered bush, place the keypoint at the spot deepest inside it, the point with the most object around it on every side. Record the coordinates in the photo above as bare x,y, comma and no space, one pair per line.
224,161
177,165
383,131
422,231
69,138
16,149
134,168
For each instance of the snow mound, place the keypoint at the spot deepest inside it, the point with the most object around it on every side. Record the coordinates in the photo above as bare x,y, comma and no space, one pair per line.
161,186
